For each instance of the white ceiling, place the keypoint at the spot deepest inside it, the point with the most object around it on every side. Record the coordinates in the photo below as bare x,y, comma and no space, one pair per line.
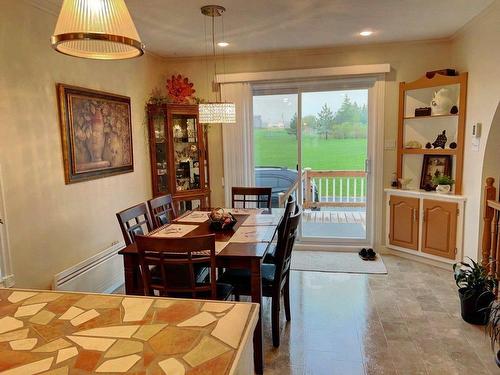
177,27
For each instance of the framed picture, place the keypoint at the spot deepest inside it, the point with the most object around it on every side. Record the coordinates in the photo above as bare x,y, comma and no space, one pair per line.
434,166
96,133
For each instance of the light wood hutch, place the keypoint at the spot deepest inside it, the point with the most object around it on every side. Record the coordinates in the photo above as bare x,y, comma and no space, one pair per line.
178,154
419,222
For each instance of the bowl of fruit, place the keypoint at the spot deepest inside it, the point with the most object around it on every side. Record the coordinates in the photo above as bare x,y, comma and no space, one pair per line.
221,220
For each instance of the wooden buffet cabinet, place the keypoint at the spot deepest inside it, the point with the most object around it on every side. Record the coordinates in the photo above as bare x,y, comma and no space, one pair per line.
420,222
178,154
425,223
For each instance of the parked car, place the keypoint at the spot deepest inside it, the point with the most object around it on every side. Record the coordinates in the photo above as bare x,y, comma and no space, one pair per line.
280,179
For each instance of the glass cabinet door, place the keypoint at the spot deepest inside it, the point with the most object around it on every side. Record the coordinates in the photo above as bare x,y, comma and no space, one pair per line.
161,152
186,153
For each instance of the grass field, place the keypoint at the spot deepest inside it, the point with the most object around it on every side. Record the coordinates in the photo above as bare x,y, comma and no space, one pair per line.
277,148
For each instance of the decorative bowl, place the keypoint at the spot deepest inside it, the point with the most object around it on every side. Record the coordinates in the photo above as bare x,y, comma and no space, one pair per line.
221,220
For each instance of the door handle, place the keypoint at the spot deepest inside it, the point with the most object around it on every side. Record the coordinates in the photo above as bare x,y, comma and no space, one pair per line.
367,166
415,215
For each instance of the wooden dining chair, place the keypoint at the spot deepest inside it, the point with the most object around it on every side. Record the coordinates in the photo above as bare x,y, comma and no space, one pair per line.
280,231
162,210
175,261
275,278
133,221
251,197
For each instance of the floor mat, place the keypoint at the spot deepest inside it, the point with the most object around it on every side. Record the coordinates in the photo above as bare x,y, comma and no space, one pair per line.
329,261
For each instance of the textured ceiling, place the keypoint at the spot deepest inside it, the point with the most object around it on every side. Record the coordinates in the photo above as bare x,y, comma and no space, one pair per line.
177,28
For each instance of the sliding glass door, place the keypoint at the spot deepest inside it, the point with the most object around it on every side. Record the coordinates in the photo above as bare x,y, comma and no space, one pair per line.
314,143
275,143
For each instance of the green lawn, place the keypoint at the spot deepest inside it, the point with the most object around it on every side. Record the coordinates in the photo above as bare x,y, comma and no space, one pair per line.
277,148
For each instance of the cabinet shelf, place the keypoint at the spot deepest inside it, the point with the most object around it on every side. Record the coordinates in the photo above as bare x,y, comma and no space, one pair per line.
423,129
424,151
431,116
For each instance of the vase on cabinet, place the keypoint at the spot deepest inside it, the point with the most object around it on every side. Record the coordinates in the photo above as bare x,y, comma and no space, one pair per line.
443,189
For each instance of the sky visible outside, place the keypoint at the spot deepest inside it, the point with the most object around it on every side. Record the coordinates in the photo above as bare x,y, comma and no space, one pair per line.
281,108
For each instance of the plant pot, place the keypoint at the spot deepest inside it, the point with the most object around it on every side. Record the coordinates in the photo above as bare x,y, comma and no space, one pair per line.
443,189
474,305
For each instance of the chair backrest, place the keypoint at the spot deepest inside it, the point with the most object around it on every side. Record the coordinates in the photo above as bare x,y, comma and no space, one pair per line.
174,261
284,253
133,221
289,206
162,210
251,197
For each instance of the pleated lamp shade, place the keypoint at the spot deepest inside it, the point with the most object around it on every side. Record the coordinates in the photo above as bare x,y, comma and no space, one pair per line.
217,113
96,29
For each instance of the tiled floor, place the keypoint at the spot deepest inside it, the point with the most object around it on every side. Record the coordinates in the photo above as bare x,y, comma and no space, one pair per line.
406,322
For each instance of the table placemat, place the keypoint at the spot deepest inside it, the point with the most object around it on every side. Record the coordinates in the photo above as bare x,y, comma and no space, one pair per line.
253,234
174,230
245,211
194,217
257,220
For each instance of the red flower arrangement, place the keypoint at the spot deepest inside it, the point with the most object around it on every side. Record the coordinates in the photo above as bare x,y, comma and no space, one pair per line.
179,89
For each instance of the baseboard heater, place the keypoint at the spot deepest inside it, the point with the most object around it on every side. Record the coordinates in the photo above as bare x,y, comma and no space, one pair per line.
101,273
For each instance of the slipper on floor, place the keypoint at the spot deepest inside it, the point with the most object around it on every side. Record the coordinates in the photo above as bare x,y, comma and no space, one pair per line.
363,254
370,254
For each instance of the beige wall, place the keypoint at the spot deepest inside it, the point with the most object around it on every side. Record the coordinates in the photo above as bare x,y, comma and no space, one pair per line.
408,61
52,226
476,50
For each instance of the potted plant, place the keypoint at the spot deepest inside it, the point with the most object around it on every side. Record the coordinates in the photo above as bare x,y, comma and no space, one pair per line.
493,328
475,289
444,183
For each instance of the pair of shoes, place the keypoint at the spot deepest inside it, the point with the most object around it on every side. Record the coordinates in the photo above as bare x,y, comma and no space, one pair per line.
367,254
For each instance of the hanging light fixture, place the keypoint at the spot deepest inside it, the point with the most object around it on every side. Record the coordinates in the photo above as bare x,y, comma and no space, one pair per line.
217,112
96,29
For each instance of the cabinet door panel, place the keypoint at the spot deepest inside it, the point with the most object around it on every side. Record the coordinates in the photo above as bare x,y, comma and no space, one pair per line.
404,222
440,228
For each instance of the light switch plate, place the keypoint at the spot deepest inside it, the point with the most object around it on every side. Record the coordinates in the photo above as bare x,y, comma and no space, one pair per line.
389,144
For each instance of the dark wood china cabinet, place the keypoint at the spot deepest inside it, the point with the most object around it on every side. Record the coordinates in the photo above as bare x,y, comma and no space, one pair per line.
179,156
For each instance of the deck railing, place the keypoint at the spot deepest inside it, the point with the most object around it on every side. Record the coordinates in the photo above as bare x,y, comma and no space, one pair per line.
329,189
335,188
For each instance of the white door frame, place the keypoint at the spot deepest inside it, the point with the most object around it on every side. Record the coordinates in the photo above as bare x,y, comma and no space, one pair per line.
6,277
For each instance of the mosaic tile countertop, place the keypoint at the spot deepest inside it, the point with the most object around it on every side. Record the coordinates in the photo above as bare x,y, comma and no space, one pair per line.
58,333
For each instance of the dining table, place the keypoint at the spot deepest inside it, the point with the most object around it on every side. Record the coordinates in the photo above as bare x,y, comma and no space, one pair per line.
244,246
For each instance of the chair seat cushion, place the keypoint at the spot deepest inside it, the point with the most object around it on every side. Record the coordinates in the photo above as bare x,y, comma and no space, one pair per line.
271,254
240,278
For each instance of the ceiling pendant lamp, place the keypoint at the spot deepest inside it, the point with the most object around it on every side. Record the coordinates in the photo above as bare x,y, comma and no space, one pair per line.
217,112
96,29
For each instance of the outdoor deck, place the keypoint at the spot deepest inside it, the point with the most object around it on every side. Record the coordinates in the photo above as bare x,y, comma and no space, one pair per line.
336,217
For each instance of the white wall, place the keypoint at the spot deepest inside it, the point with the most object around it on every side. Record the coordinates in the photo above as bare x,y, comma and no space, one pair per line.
51,225
476,49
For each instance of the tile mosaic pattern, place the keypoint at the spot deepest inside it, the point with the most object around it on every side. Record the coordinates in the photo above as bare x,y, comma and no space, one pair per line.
64,333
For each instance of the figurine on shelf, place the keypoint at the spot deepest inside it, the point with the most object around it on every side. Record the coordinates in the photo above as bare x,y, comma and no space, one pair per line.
454,110
453,145
440,141
428,145
441,103
413,144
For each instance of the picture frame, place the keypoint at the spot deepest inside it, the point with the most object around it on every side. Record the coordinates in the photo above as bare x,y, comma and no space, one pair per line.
434,165
96,133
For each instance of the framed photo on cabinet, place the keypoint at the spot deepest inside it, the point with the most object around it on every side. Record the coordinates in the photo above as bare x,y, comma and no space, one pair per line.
434,166
96,133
